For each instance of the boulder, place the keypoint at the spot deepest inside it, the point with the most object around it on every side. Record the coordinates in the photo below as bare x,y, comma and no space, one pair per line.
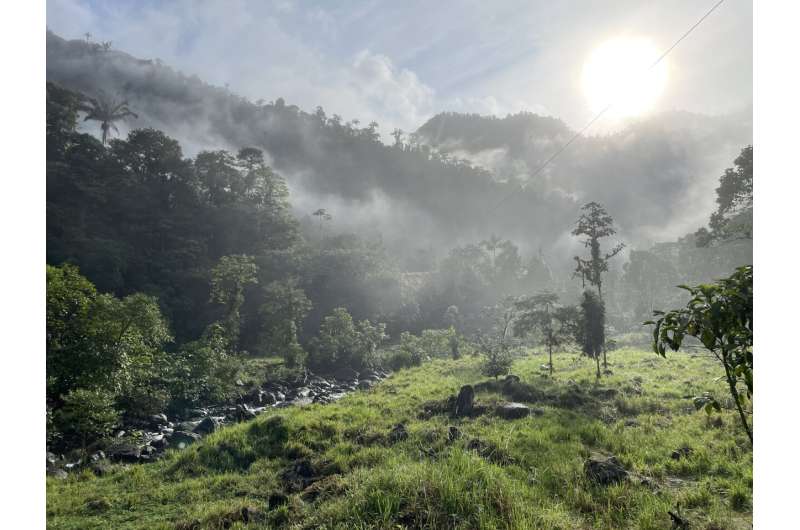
304,392
243,413
187,426
681,452
398,433
604,470
57,473
511,378
160,444
207,426
365,384
158,420
182,439
124,452
513,411
464,401
453,433
299,475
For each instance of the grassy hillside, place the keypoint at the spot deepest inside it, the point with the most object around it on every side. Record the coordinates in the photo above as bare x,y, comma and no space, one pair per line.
347,465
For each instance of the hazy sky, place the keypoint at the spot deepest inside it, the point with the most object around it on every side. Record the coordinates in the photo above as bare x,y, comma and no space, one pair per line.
401,62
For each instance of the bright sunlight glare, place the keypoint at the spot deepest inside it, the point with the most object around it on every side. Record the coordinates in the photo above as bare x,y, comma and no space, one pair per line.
619,73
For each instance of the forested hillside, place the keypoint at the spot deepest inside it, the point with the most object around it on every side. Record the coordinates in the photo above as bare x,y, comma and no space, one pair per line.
212,261
655,174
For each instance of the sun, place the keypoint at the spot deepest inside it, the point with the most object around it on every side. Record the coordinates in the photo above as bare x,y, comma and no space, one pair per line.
620,73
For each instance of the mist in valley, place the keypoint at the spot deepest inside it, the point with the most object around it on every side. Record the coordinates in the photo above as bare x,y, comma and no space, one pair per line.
252,206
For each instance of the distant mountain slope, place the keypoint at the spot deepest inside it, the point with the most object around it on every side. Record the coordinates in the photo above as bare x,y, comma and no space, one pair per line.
656,178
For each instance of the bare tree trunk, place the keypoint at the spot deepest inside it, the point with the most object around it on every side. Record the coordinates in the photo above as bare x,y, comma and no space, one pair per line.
550,350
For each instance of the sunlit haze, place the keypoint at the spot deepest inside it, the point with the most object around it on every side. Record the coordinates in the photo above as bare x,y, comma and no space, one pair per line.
624,75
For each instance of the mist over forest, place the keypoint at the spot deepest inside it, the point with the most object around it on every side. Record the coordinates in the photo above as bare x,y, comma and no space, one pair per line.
441,182
292,318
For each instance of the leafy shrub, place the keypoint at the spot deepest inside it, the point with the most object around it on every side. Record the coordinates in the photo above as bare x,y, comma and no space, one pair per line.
341,342
86,416
202,372
401,358
497,361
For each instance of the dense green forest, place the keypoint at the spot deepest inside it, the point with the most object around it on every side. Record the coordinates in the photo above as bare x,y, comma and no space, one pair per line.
211,261
209,243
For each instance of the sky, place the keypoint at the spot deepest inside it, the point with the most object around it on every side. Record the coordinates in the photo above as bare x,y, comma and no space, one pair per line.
399,63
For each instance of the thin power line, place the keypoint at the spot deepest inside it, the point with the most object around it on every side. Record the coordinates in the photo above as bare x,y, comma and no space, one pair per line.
605,109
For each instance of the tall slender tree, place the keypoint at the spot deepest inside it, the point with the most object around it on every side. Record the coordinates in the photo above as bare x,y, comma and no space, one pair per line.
595,224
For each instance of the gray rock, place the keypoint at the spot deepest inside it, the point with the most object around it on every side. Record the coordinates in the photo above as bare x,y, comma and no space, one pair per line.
124,452
187,425
182,439
682,452
160,444
453,433
304,392
398,433
207,426
57,473
513,411
605,471
157,420
365,384
464,401
243,413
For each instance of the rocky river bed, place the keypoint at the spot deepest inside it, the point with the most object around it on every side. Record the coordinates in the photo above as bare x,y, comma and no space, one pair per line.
147,440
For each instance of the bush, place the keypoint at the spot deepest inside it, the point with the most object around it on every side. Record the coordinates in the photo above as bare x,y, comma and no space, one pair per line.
342,342
143,401
400,358
497,361
202,372
87,416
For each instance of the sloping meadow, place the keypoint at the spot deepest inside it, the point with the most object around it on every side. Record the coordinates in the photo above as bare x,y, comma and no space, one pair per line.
396,456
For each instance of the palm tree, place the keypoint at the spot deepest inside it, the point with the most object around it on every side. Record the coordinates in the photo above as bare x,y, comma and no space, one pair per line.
492,244
106,111
323,215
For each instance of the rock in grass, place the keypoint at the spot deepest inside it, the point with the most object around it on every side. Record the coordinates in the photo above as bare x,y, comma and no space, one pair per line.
681,452
125,452
56,472
513,411
182,439
243,413
605,471
464,401
398,433
453,433
207,426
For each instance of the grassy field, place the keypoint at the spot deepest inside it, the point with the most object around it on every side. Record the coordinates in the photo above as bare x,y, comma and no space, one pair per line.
499,473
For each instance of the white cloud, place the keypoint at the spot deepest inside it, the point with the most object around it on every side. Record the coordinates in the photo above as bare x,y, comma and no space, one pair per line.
397,94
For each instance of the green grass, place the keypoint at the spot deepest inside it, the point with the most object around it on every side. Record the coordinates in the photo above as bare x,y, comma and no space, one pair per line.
528,473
